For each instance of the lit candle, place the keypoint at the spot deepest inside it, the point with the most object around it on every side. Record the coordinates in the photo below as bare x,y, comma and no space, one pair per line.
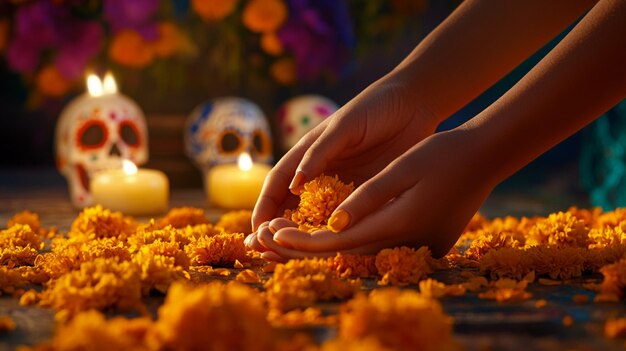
130,190
236,186
96,131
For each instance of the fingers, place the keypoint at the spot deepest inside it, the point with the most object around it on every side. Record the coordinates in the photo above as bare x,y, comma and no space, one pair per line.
277,224
392,181
252,242
275,189
273,194
333,141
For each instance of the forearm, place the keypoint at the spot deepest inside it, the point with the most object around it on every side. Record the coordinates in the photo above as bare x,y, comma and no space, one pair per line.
584,76
478,44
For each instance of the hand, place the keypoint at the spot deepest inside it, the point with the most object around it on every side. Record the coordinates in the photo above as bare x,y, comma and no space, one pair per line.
356,143
424,197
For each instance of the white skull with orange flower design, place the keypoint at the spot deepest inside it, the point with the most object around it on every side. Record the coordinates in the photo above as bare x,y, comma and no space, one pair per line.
97,133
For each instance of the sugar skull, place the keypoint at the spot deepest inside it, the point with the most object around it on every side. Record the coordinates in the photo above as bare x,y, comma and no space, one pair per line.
95,133
218,131
299,115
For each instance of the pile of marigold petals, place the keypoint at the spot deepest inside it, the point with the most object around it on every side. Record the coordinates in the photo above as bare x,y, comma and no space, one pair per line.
109,261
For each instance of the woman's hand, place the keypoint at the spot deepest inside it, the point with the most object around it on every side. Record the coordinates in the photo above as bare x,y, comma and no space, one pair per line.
424,197
356,143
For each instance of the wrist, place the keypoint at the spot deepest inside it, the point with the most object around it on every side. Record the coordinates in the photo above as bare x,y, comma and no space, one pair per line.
415,98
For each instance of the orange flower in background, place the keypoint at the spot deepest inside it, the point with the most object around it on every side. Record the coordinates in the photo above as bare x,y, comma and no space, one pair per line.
264,15
50,82
284,71
172,41
271,44
213,10
128,48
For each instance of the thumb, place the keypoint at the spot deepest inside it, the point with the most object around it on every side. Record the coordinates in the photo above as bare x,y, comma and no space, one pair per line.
389,183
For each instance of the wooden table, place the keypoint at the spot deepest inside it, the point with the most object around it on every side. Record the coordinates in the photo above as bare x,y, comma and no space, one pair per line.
479,324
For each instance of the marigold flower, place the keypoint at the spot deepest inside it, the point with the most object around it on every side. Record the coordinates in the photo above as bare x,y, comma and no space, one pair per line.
560,229
98,284
160,264
399,319
613,218
235,312
271,44
320,198
90,330
487,241
20,235
98,222
300,283
69,254
181,217
32,220
218,250
403,265
213,10
236,222
129,48
264,15
283,71
172,41
50,82
353,265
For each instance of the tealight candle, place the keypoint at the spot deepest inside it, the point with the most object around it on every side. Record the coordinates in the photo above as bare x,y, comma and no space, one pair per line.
236,186
130,190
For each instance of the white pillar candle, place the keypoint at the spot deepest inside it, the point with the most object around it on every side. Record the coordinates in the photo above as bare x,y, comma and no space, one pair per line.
236,186
133,191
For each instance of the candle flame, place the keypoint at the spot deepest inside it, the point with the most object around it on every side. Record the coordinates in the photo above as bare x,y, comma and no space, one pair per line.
244,161
94,85
109,85
97,87
129,167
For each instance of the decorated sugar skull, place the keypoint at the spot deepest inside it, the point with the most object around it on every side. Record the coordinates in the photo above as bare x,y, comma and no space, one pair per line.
97,131
218,131
299,115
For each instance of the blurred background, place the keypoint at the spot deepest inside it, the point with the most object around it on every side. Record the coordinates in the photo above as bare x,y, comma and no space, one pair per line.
171,55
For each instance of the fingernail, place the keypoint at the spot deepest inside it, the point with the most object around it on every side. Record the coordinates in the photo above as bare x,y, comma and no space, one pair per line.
295,185
339,220
283,244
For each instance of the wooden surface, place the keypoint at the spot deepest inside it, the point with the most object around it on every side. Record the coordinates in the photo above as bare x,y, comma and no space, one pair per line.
479,324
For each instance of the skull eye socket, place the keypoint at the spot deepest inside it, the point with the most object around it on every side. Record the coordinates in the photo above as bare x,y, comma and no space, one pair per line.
261,144
230,142
92,135
130,133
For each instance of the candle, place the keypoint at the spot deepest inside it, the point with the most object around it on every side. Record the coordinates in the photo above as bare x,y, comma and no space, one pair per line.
236,186
96,131
130,190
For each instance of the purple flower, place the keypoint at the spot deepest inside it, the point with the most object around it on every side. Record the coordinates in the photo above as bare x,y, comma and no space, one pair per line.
319,35
42,26
82,41
136,14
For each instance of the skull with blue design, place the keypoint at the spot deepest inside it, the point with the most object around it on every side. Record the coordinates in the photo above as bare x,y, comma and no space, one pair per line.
219,131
